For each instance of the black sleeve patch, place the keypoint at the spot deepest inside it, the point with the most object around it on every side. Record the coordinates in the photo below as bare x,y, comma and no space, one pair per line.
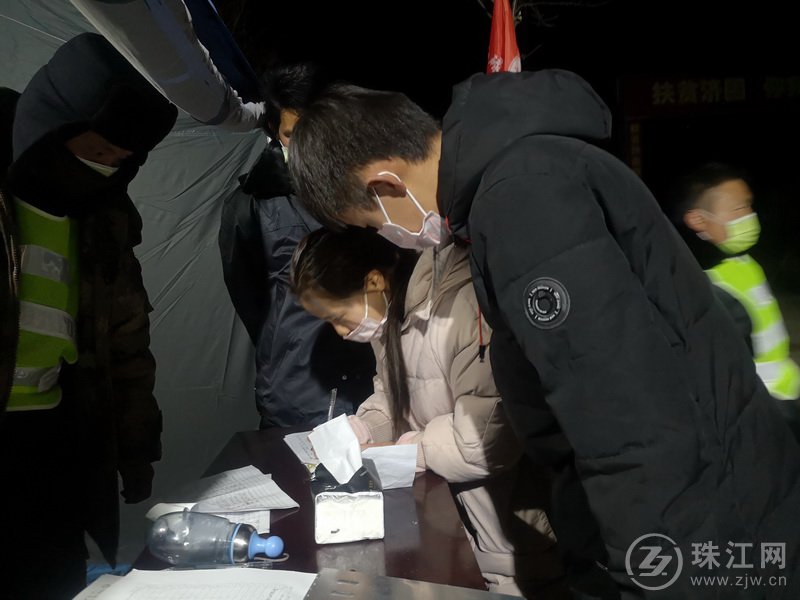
546,303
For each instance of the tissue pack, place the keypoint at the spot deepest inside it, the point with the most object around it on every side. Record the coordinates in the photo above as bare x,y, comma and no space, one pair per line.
347,512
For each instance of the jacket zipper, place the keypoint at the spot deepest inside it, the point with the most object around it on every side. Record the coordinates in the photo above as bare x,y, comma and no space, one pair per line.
12,246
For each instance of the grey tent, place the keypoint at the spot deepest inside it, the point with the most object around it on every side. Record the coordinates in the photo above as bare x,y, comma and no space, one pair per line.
205,363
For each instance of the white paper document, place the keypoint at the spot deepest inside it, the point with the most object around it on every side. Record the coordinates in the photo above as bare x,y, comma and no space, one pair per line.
243,495
337,448
258,519
302,448
259,496
209,584
396,465
244,489
98,587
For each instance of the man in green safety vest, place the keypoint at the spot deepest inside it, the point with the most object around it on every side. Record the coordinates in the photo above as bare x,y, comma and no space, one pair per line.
80,407
719,210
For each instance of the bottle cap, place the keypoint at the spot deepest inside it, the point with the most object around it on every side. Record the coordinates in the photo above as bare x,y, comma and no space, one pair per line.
272,546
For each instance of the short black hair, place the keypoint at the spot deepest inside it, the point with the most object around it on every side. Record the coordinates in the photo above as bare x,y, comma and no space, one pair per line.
693,186
291,86
345,129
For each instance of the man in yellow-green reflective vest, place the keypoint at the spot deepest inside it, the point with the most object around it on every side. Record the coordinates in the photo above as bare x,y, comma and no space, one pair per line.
719,210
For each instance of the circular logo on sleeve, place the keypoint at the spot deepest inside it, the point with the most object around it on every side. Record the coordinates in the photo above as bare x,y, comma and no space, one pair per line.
546,303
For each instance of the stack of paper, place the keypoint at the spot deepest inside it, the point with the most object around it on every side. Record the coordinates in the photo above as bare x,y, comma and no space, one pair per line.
243,495
213,584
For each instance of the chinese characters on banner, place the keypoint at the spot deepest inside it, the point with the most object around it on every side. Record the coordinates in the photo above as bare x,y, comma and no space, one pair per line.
685,96
698,91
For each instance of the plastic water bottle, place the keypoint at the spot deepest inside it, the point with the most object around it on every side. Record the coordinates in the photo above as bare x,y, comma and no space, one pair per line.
191,538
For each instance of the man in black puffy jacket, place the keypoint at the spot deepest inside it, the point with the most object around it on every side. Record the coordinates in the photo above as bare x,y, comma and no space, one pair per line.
617,367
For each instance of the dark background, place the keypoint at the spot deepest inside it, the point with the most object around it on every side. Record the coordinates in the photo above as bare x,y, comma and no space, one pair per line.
424,47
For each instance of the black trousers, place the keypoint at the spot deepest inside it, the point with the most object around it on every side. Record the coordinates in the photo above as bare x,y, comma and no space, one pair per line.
42,553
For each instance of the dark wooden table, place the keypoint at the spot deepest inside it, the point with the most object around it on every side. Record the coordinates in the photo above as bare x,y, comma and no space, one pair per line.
424,538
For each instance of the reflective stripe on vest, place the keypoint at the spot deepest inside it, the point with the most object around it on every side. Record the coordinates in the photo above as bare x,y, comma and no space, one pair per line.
744,279
48,295
39,261
769,371
770,338
761,294
41,379
44,320
782,378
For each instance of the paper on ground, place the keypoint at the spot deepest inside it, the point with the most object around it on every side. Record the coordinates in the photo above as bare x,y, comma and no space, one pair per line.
302,448
396,464
337,448
210,584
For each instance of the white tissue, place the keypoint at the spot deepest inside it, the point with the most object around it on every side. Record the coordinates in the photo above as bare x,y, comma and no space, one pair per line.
337,448
396,465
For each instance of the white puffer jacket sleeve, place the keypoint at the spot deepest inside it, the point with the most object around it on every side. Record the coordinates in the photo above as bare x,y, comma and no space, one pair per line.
372,422
475,440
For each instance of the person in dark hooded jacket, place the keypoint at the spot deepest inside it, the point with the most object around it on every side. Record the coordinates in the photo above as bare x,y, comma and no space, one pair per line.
81,410
617,368
299,360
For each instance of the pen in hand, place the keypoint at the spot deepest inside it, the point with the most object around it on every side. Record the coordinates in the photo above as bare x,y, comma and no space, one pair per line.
334,391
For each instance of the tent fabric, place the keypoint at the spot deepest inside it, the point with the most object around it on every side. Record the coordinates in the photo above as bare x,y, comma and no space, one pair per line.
159,40
224,51
205,373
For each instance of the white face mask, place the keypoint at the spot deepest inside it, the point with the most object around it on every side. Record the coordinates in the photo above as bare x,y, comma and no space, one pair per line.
429,235
285,151
369,329
104,170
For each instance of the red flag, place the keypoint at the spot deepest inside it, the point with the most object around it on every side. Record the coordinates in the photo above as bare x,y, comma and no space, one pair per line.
503,50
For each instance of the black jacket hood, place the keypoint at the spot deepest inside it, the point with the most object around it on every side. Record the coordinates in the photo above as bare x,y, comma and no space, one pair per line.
88,81
269,176
490,112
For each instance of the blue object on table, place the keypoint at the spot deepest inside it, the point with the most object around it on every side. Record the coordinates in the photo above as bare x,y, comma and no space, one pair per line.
95,571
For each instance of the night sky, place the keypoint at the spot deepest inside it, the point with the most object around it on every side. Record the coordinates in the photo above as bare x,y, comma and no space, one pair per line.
424,47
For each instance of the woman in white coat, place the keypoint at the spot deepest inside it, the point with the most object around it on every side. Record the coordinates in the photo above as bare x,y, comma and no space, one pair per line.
434,388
